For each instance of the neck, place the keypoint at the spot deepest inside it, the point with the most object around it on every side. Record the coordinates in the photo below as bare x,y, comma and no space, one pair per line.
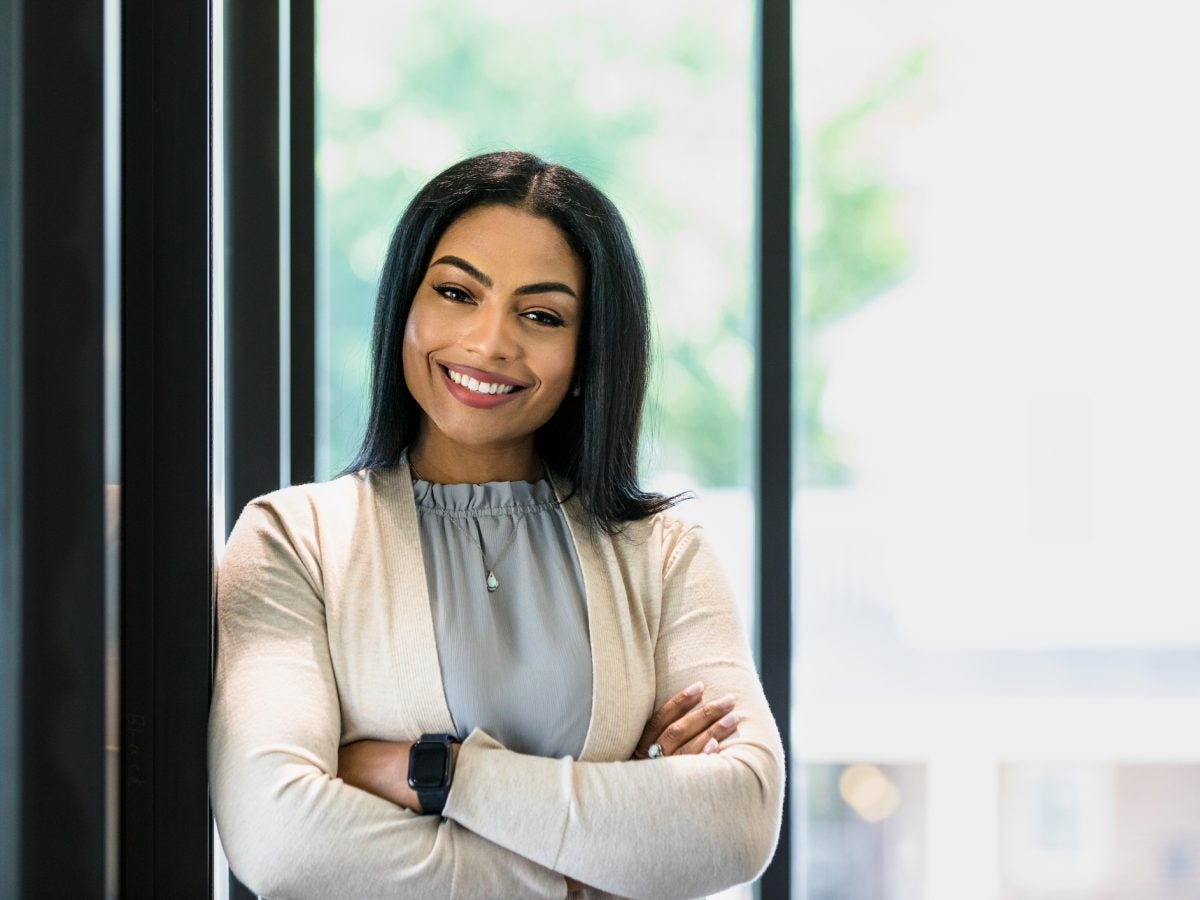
441,462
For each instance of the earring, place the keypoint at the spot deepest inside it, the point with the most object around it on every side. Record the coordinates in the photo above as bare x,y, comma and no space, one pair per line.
577,390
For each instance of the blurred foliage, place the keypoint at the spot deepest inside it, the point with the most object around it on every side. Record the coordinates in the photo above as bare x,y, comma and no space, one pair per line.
851,245
654,104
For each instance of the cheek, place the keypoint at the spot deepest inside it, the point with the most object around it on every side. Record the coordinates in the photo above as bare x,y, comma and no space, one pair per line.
430,327
409,355
417,344
561,367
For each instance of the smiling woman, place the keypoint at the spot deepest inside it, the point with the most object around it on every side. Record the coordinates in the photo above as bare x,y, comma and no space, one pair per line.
482,662
490,344
543,221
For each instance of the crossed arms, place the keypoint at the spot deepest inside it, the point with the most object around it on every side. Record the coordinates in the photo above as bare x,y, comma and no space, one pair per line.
514,825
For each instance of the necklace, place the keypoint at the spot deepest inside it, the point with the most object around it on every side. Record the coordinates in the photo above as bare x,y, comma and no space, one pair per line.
492,581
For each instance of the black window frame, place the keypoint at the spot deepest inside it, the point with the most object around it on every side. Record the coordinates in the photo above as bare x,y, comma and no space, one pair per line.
57,672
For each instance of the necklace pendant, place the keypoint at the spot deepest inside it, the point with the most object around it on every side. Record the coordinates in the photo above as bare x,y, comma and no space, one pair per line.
492,582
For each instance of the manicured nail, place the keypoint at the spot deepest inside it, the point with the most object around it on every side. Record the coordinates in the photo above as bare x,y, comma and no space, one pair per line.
726,702
711,746
729,721
694,689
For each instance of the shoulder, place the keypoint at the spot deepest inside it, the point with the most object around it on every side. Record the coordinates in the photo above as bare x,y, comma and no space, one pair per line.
674,534
679,536
315,532
306,505
659,540
313,520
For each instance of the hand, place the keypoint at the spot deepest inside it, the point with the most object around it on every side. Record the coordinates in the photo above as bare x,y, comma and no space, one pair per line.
683,725
380,768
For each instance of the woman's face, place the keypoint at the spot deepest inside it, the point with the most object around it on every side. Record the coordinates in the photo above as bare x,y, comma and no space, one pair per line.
489,346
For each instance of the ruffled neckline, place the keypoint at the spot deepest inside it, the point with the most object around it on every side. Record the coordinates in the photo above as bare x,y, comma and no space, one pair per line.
489,498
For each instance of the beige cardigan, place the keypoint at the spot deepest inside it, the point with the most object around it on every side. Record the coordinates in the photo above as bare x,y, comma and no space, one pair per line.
325,637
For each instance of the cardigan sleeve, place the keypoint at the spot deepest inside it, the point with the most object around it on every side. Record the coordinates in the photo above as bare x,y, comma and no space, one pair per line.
290,827
680,826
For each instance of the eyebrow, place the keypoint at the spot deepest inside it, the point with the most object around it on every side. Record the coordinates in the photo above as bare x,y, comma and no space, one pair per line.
541,287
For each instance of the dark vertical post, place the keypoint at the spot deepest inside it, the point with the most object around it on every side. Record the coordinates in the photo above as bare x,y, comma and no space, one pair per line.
53,799
775,241
251,252
10,455
167,558
302,127
252,264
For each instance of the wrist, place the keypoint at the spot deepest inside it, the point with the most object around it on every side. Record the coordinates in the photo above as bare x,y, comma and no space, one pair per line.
379,768
404,795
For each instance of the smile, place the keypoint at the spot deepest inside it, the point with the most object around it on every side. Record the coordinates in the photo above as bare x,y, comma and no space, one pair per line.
471,391
479,387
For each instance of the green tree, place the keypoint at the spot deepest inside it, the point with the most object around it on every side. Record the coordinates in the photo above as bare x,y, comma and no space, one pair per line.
854,247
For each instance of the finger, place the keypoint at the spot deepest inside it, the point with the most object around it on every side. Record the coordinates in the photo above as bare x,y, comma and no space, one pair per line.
669,712
674,708
684,729
708,740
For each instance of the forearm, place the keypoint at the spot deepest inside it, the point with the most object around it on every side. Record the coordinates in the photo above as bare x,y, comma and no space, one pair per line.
290,830
381,768
673,827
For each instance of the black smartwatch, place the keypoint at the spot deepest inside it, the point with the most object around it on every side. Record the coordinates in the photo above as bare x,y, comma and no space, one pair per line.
431,770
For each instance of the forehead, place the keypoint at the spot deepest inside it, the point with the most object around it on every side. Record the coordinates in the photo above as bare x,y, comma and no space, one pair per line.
510,244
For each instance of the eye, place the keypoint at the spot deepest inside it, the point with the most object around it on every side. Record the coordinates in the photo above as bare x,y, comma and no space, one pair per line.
458,295
544,318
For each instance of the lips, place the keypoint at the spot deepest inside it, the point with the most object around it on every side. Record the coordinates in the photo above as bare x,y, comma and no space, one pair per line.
478,388
482,375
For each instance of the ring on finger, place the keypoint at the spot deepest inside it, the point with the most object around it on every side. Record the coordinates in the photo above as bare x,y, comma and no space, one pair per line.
654,751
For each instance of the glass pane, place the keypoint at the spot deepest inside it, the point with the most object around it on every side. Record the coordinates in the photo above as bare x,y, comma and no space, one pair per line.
865,830
1099,830
653,102
996,515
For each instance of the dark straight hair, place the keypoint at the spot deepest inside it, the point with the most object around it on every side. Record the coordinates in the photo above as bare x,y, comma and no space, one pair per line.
592,439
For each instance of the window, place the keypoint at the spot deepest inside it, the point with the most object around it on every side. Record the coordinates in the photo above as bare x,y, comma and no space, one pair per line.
996,526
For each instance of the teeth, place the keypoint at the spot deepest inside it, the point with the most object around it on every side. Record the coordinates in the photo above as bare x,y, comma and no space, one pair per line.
479,387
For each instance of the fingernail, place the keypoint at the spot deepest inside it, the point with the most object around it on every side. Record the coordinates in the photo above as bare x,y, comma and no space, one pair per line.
711,746
728,721
727,701
694,689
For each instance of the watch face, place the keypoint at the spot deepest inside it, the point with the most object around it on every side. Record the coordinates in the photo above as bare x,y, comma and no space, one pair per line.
427,765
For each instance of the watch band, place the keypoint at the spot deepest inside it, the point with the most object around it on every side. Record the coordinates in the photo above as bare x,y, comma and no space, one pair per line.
433,801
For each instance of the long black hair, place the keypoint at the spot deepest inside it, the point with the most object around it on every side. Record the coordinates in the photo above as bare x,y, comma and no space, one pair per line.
592,439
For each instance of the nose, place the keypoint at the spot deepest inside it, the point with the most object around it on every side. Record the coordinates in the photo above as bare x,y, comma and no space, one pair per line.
491,332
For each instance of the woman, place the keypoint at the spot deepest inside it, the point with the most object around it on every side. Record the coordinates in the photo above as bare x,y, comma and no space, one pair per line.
488,571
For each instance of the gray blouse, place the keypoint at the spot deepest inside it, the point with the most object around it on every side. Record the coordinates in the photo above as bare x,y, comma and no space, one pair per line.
515,662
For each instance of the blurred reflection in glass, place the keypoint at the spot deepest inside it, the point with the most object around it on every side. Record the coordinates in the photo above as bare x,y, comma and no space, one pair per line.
1100,831
996,523
865,831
